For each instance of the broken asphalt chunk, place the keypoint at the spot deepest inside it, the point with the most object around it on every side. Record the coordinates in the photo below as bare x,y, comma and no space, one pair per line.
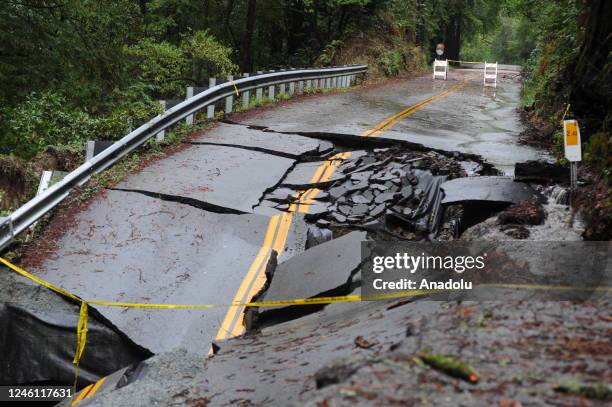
385,197
490,189
327,268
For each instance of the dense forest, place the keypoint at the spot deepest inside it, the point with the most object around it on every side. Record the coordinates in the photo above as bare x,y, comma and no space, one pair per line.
72,70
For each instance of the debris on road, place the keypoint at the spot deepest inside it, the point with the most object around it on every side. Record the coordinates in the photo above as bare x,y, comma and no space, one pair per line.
528,212
450,365
597,391
389,190
363,343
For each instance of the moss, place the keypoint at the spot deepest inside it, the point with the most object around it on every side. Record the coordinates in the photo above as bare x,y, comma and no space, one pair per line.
450,365
597,391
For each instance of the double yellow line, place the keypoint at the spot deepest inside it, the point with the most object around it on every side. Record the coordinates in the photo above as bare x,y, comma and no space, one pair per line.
279,225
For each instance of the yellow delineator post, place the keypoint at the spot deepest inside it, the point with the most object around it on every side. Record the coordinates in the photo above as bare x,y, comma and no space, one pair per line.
573,149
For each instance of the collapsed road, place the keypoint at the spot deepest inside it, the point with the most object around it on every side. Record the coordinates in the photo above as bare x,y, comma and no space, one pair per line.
274,206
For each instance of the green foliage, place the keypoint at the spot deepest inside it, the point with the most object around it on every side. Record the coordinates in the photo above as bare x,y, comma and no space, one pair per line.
47,119
598,153
209,54
391,61
162,66
511,42
42,120
329,53
556,44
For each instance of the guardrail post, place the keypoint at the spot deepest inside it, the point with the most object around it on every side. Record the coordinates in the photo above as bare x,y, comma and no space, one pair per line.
309,84
89,150
282,87
292,85
271,90
210,109
162,134
259,91
45,182
246,95
229,101
328,83
189,94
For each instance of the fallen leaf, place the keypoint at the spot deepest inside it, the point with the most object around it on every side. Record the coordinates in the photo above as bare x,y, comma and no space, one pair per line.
363,343
509,403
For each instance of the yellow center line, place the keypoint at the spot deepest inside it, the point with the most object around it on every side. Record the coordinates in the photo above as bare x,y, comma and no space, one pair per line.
82,395
279,225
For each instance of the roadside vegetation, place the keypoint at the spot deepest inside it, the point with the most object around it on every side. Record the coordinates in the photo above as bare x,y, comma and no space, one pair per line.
74,70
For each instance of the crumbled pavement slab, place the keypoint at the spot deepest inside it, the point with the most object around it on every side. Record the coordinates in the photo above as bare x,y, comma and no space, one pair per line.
328,268
489,189
314,361
384,190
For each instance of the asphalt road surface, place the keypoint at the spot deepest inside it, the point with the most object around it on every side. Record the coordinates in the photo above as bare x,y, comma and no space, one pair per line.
190,228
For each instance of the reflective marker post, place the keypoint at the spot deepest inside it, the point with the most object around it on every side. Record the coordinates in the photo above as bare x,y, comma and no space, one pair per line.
573,150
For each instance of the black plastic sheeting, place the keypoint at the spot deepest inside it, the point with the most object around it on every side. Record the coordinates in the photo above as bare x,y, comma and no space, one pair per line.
38,338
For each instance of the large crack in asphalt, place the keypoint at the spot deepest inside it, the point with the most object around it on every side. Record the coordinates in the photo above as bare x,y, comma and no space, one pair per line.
196,203
354,141
277,185
251,148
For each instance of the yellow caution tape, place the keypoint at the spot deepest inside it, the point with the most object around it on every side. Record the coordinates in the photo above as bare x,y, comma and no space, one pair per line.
83,314
466,62
235,87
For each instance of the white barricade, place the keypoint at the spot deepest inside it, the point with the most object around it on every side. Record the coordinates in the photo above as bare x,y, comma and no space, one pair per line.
490,78
437,73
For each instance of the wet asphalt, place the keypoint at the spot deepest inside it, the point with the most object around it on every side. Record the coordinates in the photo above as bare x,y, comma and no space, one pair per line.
186,228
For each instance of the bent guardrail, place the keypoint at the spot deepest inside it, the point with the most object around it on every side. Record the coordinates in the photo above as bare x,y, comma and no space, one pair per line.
27,214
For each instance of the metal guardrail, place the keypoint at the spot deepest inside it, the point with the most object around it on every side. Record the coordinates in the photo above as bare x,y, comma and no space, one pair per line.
27,214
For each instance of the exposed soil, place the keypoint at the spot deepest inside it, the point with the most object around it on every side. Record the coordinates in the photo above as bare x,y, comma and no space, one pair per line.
595,202
537,132
17,182
523,213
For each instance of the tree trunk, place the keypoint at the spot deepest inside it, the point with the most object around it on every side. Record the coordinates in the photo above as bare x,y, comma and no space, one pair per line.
228,14
295,26
591,86
452,38
247,41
